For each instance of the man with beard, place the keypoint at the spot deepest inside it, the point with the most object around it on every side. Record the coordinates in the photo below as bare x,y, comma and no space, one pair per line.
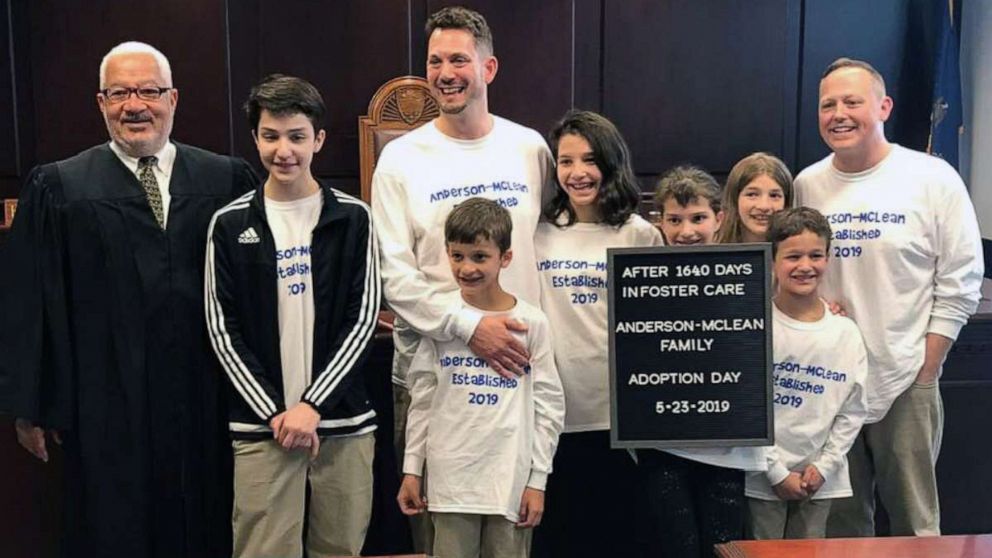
420,177
104,338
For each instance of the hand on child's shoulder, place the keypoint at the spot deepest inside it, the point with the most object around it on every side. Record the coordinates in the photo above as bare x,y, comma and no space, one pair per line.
836,308
493,342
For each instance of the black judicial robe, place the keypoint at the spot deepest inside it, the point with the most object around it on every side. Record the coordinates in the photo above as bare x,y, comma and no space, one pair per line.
103,337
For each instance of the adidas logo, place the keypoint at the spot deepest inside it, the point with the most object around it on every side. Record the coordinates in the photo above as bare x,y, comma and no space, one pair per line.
249,236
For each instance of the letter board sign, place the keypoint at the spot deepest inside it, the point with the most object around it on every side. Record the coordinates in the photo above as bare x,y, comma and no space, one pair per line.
690,346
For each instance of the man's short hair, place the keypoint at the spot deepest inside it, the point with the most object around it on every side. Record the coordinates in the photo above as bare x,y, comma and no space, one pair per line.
457,17
686,183
284,96
844,62
135,47
479,219
795,221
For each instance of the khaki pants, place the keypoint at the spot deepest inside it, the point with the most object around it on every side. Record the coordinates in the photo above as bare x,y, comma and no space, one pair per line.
421,527
270,494
897,455
797,519
466,535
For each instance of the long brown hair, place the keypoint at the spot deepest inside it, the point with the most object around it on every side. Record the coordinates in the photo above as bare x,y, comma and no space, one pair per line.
744,172
619,193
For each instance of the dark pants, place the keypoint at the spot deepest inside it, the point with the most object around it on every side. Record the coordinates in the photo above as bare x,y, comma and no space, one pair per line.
591,503
691,506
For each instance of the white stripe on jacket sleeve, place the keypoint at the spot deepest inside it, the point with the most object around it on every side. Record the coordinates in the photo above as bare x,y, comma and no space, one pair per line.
241,377
361,333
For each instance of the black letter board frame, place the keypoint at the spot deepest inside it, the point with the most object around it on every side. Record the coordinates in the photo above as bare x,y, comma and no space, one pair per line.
697,430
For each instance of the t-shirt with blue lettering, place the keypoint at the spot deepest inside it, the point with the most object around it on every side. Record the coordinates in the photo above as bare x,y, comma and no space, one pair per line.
484,438
292,223
820,402
571,266
906,258
418,179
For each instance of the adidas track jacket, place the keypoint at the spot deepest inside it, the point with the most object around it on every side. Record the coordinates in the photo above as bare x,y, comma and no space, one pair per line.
242,314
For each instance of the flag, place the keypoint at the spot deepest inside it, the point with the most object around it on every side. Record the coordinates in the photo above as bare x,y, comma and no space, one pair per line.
946,113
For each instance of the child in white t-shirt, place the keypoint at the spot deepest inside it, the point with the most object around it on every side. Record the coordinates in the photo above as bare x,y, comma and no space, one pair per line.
819,381
594,208
695,496
487,440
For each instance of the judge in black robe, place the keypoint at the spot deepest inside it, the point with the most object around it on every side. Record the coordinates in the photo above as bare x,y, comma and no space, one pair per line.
104,340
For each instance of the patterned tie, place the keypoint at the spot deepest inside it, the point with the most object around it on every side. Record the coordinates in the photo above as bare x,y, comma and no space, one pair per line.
146,174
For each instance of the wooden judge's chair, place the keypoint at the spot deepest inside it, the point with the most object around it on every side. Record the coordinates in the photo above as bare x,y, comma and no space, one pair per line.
400,105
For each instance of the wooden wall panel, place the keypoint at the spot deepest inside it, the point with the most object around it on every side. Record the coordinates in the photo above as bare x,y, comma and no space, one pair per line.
16,113
587,67
346,49
706,82
894,36
534,45
965,455
700,82
32,497
8,105
68,40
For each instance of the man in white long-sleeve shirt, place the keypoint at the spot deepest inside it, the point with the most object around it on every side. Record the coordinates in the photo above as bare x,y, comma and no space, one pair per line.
465,152
908,268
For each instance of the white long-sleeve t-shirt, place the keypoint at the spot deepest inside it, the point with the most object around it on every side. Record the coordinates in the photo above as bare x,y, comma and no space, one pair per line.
820,402
484,438
292,223
571,264
418,179
906,259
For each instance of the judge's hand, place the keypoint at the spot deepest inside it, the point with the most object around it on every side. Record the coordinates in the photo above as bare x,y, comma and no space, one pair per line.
32,438
531,508
791,488
812,479
297,427
409,498
492,341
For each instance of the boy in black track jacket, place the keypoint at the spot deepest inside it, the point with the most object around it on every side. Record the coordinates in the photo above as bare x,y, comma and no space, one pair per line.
292,294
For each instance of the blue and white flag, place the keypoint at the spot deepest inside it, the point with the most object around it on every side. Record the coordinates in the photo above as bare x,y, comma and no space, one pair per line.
946,112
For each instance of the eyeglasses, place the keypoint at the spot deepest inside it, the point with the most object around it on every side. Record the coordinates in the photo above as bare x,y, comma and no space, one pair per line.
121,94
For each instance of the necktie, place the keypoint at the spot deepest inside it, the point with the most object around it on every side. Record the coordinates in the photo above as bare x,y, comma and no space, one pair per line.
146,175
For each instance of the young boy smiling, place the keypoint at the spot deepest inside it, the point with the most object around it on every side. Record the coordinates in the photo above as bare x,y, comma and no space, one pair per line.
488,441
820,401
689,201
292,295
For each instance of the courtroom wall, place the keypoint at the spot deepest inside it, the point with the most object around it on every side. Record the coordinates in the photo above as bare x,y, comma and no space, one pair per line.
685,81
